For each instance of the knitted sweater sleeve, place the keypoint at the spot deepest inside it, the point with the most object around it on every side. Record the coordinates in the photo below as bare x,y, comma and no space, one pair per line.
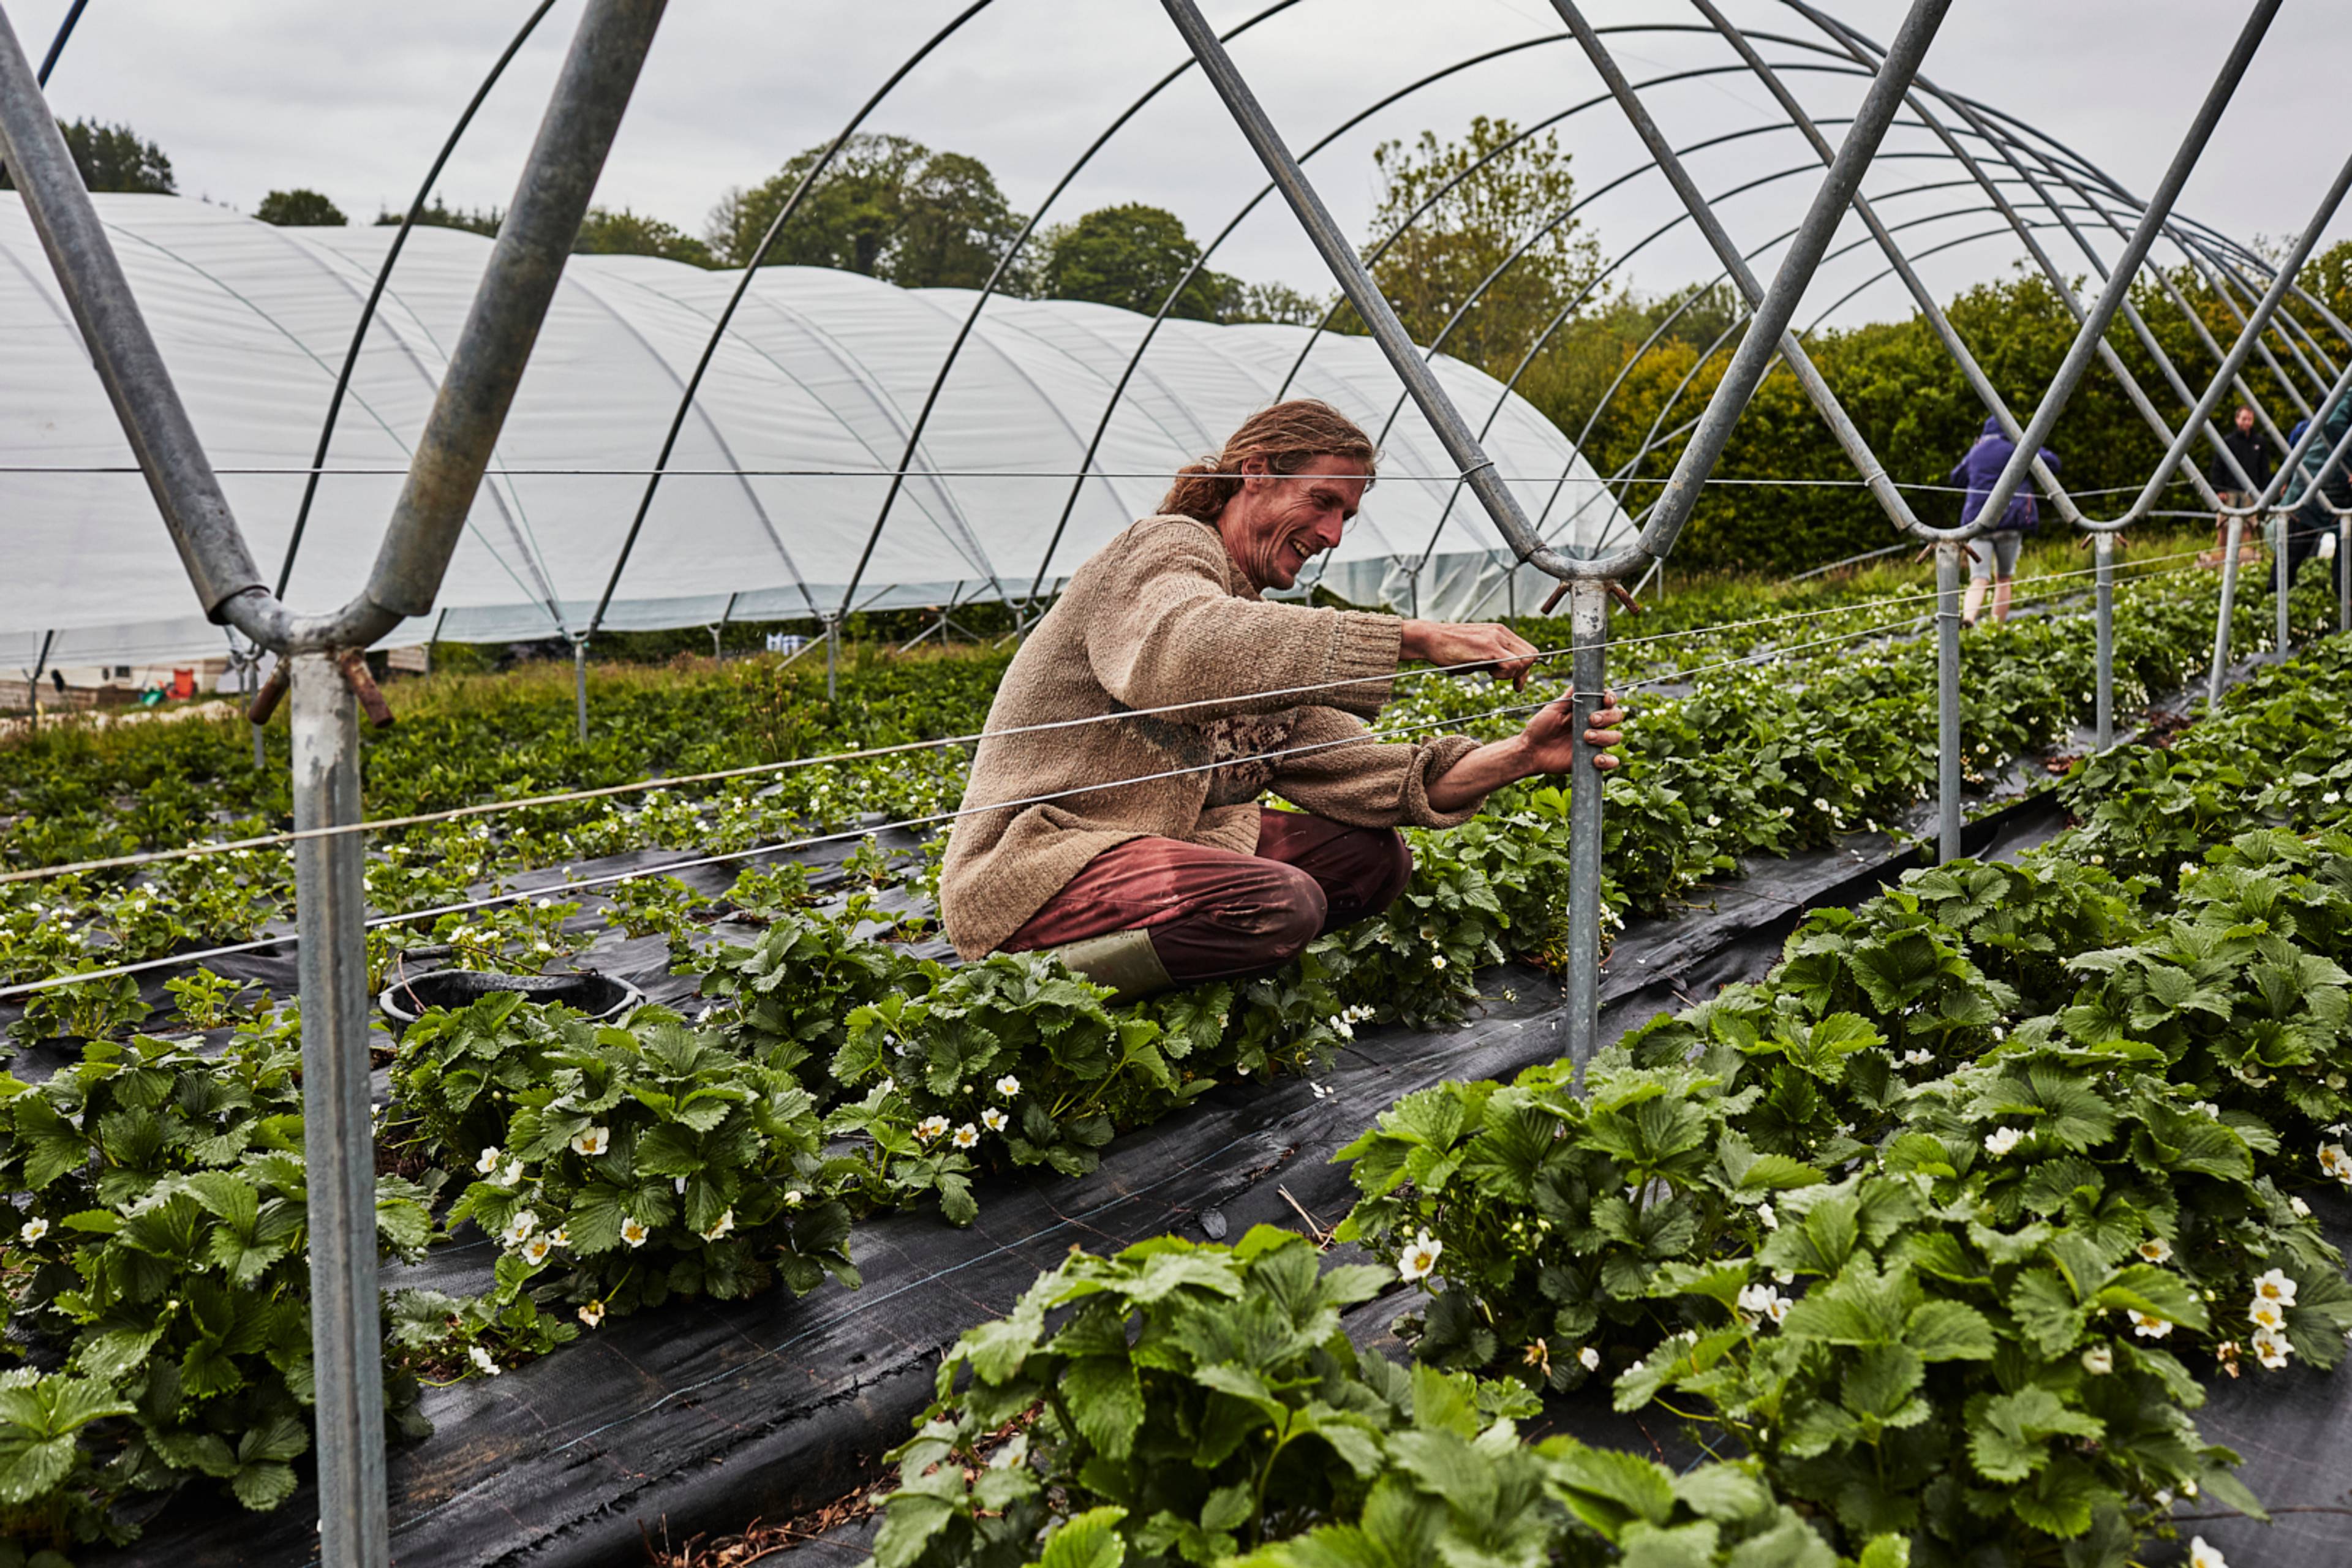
1164,629
1333,768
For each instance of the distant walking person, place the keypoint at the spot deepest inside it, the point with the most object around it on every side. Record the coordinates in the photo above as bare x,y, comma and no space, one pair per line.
1992,562
2316,482
2253,455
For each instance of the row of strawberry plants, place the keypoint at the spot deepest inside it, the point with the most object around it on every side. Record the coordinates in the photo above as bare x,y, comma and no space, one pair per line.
618,1166
2033,1139
2021,691
1937,1226
934,1072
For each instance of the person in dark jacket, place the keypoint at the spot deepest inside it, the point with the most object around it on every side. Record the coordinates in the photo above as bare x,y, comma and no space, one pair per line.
2315,481
1992,559
2253,455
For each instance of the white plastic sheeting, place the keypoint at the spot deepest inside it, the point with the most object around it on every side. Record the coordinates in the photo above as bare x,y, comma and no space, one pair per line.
778,476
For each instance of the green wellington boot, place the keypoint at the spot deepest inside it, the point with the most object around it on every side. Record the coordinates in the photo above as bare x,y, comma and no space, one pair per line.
1124,961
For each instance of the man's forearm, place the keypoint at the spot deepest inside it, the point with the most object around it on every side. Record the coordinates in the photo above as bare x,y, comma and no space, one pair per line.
1479,773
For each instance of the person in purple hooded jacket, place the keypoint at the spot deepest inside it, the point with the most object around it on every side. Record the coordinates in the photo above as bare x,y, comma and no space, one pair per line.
1993,561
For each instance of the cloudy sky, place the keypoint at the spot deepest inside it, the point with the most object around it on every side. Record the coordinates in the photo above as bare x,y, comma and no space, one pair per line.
353,97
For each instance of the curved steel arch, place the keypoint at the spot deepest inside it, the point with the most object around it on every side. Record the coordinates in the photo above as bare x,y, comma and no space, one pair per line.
1004,265
1976,118
1118,392
2056,278
1652,438
1439,192
58,43
750,269
1657,437
382,277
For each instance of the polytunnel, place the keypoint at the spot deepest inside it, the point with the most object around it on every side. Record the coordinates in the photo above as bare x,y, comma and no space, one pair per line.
781,474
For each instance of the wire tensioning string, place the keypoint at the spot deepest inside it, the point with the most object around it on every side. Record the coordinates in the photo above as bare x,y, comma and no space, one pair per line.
750,770
590,884
490,808
303,471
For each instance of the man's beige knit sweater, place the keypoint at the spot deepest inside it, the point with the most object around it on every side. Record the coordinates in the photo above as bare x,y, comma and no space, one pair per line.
1160,618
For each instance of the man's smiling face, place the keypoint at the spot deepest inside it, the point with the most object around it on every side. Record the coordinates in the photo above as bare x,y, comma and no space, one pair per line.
1281,522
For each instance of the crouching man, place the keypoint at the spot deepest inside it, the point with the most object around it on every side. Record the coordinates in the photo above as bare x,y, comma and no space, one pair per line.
1136,847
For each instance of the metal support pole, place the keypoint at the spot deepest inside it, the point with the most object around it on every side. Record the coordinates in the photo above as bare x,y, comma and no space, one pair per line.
2283,522
346,1334
2229,602
1947,700
1588,613
41,659
2102,550
718,649
579,684
248,687
832,659
2343,565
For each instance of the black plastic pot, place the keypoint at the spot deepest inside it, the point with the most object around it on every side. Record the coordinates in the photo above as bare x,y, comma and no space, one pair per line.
600,996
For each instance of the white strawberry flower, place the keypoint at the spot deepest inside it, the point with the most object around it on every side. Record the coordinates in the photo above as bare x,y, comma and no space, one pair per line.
489,1161
2203,1555
2099,1360
34,1229
2274,1285
634,1232
2266,1314
793,1198
1420,1258
512,1175
2001,1140
518,1228
560,1237
930,1127
482,1359
992,1118
1713,820
1820,803
966,1136
595,1141
721,1226
1008,1086
2336,1162
1917,1059
536,1249
593,1313
2271,1347
1437,960
2146,1328
1771,1220
2156,1249
1588,1358
2302,1210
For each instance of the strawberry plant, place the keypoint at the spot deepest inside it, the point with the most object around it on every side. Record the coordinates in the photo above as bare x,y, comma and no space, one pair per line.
630,1164
159,1256
1178,1403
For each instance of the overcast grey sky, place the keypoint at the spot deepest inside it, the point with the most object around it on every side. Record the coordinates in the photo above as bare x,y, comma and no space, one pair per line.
353,97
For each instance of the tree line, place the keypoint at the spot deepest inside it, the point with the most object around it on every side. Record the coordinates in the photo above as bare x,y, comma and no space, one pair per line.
1482,245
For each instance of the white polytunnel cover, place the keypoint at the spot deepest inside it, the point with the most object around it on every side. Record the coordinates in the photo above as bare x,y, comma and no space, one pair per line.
780,474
